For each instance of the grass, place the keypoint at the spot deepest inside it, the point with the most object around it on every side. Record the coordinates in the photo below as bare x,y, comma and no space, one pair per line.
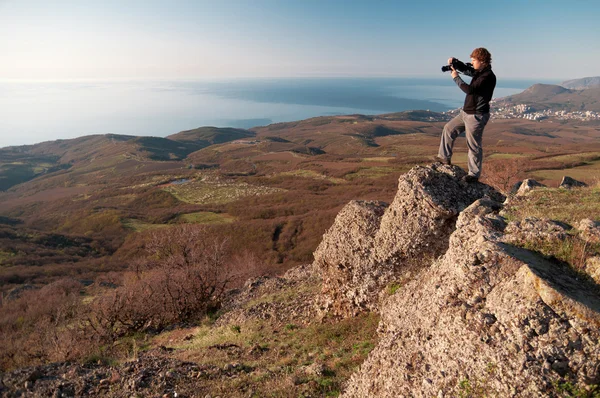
383,159
371,172
569,206
216,191
506,156
587,173
139,226
314,175
206,217
280,356
574,157
4,255
301,358
568,389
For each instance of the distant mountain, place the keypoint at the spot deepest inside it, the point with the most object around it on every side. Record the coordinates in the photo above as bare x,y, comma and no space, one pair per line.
581,84
205,136
555,97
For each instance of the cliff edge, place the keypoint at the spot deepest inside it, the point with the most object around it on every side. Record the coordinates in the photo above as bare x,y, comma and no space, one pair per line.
479,316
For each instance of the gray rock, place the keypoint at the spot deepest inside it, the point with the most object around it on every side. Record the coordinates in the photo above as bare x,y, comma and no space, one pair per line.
371,244
491,315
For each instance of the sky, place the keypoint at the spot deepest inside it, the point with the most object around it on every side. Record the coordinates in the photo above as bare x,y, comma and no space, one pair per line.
182,39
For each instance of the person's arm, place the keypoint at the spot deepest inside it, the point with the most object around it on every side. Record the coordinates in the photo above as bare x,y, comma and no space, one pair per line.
476,86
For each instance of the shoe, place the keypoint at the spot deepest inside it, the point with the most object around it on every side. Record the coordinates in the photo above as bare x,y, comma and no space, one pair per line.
442,160
470,179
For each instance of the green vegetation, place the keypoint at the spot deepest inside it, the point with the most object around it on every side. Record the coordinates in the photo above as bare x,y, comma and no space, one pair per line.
567,389
318,357
313,174
566,205
393,288
371,172
378,159
465,390
216,191
139,225
206,217
506,156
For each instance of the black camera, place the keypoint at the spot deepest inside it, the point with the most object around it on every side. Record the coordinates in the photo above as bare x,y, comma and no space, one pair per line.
458,65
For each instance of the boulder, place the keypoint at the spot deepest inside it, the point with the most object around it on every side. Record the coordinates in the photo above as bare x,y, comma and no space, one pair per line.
485,319
592,268
524,187
568,183
589,230
372,244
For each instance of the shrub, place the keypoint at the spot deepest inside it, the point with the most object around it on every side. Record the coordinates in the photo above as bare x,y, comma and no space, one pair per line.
503,174
184,276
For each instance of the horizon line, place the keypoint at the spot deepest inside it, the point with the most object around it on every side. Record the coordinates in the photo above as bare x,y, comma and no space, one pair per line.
222,78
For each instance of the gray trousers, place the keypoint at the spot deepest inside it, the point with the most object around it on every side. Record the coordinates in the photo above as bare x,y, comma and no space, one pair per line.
473,126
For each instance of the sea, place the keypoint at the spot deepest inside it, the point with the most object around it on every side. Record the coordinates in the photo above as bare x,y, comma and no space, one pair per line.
37,111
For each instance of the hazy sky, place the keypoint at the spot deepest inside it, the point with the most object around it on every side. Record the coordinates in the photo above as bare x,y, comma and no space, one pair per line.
72,39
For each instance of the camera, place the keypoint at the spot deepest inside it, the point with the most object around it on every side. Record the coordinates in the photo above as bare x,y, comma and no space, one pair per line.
458,65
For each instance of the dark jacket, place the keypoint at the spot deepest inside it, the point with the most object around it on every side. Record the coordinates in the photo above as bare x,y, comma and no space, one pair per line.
480,91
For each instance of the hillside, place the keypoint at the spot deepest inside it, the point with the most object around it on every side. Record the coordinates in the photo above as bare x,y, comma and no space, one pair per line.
23,163
491,306
581,84
206,136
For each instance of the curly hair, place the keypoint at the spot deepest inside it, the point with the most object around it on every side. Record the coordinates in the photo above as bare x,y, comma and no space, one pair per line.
482,55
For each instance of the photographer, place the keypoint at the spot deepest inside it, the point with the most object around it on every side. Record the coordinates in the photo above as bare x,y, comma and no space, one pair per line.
476,111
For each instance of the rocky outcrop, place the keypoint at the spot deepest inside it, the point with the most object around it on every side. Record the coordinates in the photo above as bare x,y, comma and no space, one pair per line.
371,244
535,229
152,374
485,319
260,299
568,183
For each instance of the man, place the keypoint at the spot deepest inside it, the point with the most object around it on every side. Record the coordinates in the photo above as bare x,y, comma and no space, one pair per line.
475,113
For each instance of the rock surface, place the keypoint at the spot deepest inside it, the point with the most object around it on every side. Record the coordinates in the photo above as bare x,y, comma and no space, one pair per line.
486,319
371,244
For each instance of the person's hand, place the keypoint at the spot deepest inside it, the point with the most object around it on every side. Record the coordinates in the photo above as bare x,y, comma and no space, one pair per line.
450,60
454,73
